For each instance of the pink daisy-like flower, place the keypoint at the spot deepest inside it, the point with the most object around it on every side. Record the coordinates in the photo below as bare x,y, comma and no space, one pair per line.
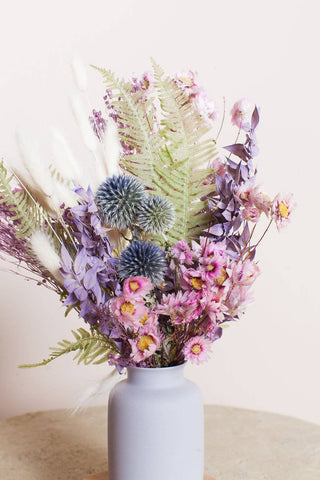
206,107
149,319
178,306
245,272
145,344
240,297
241,114
282,207
214,308
182,252
129,310
250,213
197,349
189,82
192,280
262,202
139,287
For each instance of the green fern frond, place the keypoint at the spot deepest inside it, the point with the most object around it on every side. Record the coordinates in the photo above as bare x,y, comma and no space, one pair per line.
26,213
138,119
91,347
184,159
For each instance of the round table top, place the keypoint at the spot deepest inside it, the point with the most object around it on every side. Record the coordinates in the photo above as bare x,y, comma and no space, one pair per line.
239,445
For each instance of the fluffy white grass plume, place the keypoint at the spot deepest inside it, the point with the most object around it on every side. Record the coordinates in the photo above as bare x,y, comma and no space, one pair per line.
79,72
82,118
112,149
63,159
44,250
35,165
98,388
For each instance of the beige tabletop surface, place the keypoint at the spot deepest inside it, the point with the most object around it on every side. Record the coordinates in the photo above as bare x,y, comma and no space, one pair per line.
239,445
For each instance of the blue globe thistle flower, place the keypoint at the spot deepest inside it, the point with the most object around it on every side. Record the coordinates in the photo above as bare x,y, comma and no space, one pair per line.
142,258
156,215
117,200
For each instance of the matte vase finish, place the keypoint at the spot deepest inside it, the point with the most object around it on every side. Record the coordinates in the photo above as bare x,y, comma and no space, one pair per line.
155,426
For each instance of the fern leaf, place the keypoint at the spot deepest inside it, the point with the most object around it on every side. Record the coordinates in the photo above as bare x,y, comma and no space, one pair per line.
88,346
184,159
25,212
137,117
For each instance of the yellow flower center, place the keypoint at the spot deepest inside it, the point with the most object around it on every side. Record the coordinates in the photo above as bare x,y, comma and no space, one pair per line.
210,268
127,307
283,210
144,342
220,280
196,283
134,286
187,81
196,349
144,319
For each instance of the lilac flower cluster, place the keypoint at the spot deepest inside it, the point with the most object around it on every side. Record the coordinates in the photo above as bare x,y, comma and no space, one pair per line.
90,277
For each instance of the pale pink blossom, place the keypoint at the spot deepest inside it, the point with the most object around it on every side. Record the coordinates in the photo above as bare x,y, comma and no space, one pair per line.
282,207
250,213
188,80
241,113
139,287
182,252
197,349
239,298
262,202
145,345
129,310
206,107
214,308
178,306
245,272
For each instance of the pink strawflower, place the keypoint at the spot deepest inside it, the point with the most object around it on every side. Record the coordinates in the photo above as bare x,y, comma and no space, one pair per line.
245,273
240,296
250,213
189,82
145,344
282,207
182,252
197,349
214,308
139,287
206,107
192,280
241,114
245,192
178,306
129,310
149,319
262,202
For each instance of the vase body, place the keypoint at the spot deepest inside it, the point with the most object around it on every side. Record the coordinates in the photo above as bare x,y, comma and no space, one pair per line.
155,426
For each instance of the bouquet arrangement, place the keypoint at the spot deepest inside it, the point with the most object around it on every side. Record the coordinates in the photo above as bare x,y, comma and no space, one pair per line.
153,245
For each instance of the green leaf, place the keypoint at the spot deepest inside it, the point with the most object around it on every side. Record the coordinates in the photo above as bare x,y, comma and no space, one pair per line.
26,213
89,346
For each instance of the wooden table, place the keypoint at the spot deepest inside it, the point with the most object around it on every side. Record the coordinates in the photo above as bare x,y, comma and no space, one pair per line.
240,445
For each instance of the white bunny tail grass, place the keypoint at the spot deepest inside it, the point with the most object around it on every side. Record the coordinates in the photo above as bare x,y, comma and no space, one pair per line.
101,387
82,118
79,72
63,159
33,162
112,148
44,250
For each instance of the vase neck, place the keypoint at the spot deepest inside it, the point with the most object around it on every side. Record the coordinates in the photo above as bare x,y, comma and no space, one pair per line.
156,377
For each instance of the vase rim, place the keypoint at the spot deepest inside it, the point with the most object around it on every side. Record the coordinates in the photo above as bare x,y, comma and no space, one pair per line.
153,369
